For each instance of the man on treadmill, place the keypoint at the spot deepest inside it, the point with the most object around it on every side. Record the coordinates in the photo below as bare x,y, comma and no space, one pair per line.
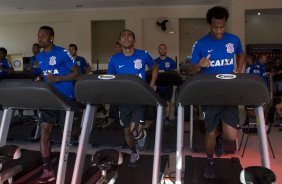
165,63
214,54
60,70
132,61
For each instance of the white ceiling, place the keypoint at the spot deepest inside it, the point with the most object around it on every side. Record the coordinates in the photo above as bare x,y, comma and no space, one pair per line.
18,6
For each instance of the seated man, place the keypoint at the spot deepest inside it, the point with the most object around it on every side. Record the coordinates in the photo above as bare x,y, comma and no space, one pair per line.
257,68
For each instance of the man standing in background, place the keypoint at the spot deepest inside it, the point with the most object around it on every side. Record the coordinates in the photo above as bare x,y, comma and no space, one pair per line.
80,61
165,63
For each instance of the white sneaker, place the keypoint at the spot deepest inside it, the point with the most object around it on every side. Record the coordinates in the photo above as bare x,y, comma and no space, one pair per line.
141,142
133,160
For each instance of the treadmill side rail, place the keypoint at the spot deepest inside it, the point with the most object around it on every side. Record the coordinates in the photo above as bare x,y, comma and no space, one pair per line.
65,148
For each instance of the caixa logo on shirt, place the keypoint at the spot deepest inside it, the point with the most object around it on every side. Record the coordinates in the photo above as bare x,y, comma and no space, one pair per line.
52,72
68,53
222,62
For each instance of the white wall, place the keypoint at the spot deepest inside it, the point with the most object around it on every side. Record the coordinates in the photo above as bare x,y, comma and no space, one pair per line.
20,30
237,13
264,29
19,37
153,37
190,30
75,26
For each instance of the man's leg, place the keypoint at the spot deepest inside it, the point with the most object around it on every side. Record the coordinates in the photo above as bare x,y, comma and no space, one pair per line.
229,133
219,141
45,148
130,141
167,109
45,145
210,148
230,123
211,116
168,96
137,127
210,142
140,135
125,113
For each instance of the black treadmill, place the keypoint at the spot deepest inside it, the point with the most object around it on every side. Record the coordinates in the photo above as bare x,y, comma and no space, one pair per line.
27,94
167,78
24,127
220,89
113,135
119,89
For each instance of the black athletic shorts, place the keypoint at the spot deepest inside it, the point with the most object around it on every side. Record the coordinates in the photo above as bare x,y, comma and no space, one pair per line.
165,92
54,117
213,115
131,113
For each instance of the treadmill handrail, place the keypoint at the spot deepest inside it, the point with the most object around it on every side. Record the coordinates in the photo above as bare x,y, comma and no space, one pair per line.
245,89
92,90
29,94
166,78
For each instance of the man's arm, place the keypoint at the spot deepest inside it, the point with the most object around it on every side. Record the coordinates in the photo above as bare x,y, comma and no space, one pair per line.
88,69
240,62
155,72
111,67
71,76
198,60
203,63
8,70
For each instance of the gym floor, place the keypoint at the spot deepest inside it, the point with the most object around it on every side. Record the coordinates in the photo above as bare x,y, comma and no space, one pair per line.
251,157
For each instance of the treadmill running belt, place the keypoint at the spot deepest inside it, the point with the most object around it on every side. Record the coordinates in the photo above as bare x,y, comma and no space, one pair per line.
226,171
32,166
142,173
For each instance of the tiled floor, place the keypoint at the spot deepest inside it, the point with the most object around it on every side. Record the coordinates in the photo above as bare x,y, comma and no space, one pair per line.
250,158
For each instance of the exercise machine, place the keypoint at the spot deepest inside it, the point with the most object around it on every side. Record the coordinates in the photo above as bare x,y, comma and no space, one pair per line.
221,89
7,172
27,94
167,78
110,89
104,160
257,175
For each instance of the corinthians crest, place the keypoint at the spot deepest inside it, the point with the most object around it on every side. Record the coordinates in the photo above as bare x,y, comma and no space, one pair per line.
137,63
230,48
52,60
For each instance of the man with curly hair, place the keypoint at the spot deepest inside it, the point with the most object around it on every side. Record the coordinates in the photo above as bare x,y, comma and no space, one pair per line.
214,54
